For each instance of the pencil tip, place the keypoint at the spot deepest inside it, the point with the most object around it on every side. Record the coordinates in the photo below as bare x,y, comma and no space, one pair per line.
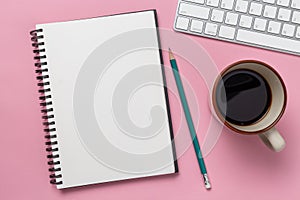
171,56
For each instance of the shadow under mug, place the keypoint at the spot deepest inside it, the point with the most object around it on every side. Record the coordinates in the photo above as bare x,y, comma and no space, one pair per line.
265,126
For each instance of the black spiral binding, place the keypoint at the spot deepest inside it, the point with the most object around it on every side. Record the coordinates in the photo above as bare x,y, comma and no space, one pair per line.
45,98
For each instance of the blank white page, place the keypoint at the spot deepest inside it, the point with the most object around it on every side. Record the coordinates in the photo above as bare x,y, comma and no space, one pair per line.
107,89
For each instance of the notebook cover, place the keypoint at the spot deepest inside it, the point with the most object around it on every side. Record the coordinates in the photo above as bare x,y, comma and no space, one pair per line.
60,154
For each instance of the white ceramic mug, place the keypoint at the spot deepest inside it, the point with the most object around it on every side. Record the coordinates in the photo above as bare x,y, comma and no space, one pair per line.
265,126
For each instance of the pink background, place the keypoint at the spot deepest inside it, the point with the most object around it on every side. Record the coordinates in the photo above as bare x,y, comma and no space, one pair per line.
240,167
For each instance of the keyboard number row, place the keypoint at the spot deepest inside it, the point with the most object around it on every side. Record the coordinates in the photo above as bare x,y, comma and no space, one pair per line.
241,5
217,15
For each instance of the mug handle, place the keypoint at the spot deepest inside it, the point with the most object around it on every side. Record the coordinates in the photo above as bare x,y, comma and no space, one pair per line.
273,139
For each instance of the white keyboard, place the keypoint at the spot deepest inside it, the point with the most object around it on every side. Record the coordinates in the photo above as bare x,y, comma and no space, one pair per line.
269,24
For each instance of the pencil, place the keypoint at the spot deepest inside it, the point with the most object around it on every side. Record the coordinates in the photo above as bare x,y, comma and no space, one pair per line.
189,120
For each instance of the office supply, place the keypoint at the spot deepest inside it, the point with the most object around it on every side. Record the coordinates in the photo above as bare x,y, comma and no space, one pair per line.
83,68
269,24
189,120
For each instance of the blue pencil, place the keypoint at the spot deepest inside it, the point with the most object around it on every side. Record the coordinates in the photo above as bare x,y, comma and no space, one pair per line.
189,120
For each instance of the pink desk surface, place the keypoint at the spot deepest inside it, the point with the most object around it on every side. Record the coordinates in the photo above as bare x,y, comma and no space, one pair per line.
240,167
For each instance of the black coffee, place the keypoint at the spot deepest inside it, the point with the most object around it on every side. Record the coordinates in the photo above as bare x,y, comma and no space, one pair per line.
243,97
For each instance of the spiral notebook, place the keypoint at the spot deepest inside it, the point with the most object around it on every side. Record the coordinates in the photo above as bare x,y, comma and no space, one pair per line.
103,97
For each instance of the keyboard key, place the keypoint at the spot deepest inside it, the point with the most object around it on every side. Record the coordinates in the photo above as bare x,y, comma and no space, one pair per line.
270,11
274,27
296,17
284,14
285,3
227,4
196,1
193,10
227,32
269,1
182,23
295,4
213,3
217,15
298,32
245,21
241,6
260,24
288,30
255,9
231,18
211,29
270,41
197,26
